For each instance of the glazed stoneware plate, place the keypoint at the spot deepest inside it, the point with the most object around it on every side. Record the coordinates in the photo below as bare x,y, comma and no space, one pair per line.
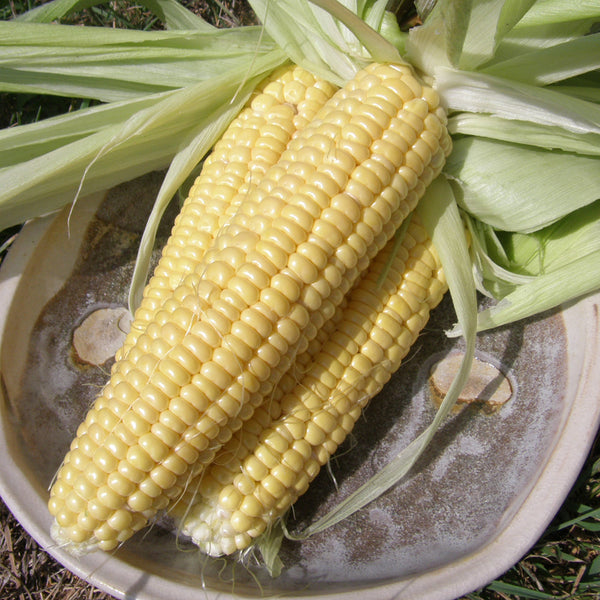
483,493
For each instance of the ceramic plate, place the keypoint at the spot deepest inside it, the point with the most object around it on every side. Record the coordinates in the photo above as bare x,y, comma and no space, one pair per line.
473,505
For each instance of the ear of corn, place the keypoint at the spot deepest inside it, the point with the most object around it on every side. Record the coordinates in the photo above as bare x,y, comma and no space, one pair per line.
254,141
260,474
213,348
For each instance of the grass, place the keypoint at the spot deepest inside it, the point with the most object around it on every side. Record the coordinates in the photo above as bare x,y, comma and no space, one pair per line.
29,573
564,563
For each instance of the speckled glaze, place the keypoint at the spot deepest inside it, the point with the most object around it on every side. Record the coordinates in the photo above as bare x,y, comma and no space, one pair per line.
474,503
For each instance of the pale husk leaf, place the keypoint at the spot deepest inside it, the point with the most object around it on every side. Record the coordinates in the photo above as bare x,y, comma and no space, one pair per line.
542,293
477,92
116,64
548,65
520,188
145,141
515,131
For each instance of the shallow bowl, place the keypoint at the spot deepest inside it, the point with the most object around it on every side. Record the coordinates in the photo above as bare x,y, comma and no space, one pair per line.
477,500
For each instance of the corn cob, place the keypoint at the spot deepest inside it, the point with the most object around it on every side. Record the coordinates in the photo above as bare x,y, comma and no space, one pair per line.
260,478
282,104
177,395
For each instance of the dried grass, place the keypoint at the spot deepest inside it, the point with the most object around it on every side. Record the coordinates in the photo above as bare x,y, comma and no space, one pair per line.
27,572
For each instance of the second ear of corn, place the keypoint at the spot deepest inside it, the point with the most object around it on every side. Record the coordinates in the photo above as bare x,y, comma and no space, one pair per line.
259,473
265,328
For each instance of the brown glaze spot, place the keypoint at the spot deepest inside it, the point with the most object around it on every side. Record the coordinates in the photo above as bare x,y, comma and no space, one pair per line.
101,334
487,386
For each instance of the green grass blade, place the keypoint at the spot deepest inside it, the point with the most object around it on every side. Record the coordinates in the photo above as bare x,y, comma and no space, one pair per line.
519,591
581,520
594,569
